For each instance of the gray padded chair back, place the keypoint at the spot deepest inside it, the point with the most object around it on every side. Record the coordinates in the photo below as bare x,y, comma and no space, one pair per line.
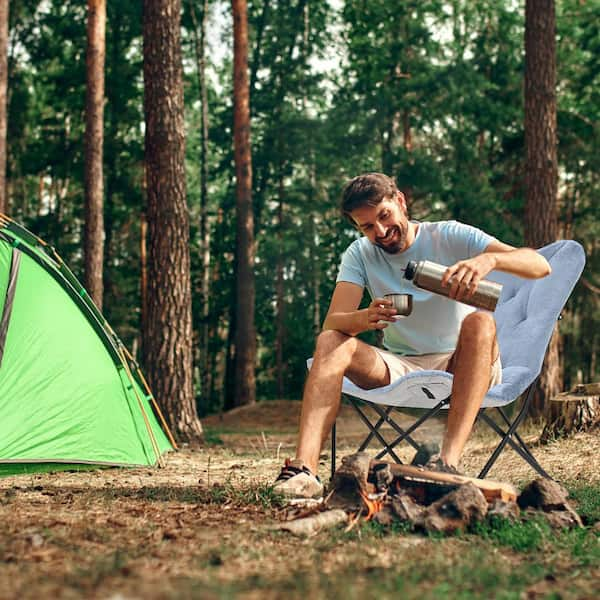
528,310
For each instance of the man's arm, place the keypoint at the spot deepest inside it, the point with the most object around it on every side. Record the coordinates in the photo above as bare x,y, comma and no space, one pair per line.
343,314
466,274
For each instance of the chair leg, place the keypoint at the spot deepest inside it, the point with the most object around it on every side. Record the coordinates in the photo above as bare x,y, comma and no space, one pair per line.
430,413
405,435
524,452
333,448
376,427
506,438
376,433
385,417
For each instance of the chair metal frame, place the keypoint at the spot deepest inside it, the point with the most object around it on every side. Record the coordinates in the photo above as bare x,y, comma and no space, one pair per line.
508,436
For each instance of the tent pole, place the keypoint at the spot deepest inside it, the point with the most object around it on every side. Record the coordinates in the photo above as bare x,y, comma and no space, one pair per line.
153,400
150,432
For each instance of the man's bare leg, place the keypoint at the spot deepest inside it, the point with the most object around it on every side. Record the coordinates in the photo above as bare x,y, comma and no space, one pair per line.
471,365
336,355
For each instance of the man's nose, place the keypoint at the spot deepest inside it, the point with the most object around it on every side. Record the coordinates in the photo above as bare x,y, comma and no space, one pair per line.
379,229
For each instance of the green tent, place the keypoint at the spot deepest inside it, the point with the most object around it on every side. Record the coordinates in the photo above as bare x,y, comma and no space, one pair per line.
70,393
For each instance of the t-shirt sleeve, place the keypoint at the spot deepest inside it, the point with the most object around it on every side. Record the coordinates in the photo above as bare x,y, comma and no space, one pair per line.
352,267
468,240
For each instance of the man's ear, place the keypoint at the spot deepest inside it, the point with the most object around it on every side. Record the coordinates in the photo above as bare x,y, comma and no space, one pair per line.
402,201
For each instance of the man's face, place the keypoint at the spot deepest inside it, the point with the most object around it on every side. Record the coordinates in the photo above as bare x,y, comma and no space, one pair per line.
386,225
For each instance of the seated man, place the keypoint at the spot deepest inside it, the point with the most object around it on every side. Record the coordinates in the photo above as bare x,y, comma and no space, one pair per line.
439,334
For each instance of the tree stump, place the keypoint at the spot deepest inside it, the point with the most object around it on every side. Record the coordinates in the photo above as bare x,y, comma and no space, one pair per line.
573,411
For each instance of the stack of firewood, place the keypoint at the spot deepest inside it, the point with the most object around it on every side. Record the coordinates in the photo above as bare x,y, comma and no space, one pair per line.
430,501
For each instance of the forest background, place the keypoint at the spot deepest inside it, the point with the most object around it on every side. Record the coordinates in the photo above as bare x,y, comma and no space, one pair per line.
428,91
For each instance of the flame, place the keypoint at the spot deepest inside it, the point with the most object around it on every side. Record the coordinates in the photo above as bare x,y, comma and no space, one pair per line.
373,506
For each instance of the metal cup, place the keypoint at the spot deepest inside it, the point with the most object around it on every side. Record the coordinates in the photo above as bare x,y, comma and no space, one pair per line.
403,303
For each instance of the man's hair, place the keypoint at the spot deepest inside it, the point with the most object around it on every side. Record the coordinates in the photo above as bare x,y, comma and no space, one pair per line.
368,189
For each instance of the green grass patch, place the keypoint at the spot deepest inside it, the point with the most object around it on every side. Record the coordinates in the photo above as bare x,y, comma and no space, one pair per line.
587,501
260,494
527,536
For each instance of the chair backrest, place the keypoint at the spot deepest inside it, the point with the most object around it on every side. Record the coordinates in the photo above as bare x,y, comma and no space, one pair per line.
529,308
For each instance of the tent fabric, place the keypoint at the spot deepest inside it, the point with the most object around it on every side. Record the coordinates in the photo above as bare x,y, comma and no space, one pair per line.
67,391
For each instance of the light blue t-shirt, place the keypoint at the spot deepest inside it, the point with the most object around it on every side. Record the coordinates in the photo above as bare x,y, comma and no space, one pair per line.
434,323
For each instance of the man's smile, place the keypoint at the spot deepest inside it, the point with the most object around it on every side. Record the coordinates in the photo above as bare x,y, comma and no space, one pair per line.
393,240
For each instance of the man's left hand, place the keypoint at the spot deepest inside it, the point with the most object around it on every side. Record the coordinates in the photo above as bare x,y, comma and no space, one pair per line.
464,276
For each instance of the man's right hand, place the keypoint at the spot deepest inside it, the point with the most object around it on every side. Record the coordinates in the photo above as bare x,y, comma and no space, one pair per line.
379,313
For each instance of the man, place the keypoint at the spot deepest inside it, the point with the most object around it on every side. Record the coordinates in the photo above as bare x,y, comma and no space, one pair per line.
440,334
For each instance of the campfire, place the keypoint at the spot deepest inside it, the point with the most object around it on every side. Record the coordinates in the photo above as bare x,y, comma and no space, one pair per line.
431,501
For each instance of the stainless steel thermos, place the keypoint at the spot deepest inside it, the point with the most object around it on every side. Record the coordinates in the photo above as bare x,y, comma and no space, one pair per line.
428,276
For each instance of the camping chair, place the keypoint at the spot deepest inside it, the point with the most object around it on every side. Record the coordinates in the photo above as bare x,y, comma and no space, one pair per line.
525,317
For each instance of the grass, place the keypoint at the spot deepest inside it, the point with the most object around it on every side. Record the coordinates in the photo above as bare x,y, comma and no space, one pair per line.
177,539
587,500
261,495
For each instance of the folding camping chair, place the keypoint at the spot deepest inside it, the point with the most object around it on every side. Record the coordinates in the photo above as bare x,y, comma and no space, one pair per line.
525,317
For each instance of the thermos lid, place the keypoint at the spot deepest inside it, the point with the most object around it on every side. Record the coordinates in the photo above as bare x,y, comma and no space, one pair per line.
410,270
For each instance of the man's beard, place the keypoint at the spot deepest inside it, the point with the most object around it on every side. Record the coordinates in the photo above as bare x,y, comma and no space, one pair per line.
395,246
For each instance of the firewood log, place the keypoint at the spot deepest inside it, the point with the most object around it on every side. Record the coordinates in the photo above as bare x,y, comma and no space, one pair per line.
491,489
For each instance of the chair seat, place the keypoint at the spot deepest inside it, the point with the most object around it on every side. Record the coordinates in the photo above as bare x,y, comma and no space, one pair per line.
425,389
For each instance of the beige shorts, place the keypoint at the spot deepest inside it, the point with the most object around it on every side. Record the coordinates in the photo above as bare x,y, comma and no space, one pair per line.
402,365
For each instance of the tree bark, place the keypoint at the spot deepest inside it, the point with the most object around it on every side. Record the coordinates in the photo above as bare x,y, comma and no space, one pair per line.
168,326
245,336
570,412
280,292
3,101
143,273
541,163
94,143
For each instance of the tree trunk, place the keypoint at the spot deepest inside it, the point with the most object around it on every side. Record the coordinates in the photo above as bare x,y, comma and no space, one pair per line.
3,101
168,326
570,412
94,142
114,106
200,44
245,336
143,273
279,293
541,165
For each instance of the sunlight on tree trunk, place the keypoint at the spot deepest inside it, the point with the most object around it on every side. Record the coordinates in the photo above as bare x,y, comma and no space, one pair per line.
245,335
94,143
541,170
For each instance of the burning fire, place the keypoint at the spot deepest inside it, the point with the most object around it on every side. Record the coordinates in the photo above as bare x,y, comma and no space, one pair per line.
374,505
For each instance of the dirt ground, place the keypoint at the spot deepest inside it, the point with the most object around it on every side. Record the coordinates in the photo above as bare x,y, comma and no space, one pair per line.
201,526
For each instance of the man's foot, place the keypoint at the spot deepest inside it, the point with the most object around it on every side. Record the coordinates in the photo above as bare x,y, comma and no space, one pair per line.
297,481
435,463
424,454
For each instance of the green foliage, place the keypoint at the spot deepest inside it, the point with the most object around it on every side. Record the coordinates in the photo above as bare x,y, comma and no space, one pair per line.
427,91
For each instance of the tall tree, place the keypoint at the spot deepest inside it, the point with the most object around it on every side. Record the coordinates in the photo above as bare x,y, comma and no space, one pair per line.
204,234
541,166
245,335
167,330
94,144
3,100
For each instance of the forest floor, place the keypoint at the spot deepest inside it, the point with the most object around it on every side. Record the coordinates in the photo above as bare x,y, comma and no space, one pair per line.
202,527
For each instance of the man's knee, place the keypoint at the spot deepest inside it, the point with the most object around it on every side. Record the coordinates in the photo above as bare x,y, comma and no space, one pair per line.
331,341
478,328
